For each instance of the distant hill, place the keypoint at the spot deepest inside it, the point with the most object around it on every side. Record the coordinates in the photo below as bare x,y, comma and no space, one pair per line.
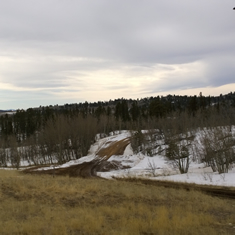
8,110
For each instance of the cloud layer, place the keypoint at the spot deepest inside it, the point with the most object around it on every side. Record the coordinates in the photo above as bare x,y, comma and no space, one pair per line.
57,51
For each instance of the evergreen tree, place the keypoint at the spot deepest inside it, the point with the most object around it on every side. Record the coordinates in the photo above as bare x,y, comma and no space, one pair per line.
134,111
193,105
157,108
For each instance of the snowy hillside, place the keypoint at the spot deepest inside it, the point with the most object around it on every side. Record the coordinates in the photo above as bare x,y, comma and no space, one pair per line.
156,167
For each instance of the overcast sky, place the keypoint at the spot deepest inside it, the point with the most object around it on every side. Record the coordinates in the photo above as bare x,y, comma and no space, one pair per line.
71,51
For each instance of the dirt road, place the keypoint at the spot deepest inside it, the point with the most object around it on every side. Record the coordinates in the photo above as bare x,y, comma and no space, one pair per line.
218,191
89,169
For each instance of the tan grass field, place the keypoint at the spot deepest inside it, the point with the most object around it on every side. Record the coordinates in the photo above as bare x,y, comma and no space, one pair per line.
41,204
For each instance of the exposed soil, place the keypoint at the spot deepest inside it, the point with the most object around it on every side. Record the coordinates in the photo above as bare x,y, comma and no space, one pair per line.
101,164
222,192
115,148
89,169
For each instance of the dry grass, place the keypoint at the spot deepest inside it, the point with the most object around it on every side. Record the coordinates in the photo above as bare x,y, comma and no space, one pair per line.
41,204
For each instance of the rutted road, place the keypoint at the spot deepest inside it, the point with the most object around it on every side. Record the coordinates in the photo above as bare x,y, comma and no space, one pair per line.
222,192
100,163
89,169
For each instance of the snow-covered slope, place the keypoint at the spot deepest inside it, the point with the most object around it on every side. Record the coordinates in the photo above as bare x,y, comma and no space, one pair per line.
157,167
140,165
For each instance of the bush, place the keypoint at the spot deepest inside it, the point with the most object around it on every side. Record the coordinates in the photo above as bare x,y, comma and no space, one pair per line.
217,148
179,155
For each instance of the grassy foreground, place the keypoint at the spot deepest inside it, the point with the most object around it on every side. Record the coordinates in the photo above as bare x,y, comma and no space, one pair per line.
41,204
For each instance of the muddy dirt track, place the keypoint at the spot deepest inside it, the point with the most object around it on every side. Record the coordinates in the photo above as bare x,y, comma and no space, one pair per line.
100,164
89,169
84,170
222,192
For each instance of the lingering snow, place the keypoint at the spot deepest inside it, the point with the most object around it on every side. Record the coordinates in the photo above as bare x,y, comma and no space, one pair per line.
88,158
139,165
128,151
159,161
197,174
99,144
127,161
204,178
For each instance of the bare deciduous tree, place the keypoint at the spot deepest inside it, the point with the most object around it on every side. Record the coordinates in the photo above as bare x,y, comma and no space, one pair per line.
216,148
179,154
152,167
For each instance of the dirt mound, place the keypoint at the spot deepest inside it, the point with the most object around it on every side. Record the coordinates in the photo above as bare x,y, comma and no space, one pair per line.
89,169
115,148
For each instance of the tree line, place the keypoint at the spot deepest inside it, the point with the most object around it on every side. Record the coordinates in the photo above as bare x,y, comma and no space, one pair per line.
62,133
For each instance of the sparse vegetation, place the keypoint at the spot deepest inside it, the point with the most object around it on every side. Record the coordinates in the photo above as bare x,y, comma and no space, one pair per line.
41,204
216,148
152,167
179,155
57,134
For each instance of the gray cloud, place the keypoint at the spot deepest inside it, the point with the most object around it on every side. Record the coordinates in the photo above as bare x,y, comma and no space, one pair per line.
59,45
